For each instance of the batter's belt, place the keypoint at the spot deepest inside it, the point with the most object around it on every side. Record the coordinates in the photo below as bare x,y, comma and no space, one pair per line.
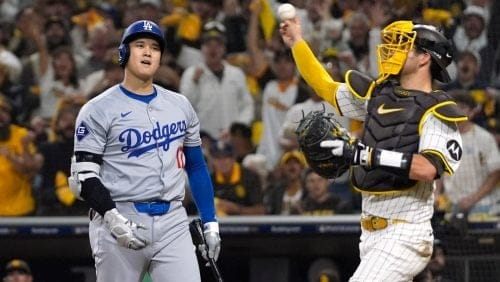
374,223
152,208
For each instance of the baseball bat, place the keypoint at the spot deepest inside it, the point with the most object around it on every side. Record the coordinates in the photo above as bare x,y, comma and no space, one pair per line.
198,238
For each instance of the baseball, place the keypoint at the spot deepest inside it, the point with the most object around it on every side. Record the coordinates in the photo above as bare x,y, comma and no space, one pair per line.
286,11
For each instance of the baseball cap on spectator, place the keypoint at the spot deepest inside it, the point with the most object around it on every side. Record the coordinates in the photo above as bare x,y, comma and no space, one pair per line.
221,149
17,265
294,154
213,30
473,10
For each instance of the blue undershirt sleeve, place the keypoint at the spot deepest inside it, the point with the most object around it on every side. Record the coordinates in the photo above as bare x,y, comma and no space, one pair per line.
200,183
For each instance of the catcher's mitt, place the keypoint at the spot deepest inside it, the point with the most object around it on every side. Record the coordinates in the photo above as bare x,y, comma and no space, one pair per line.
315,127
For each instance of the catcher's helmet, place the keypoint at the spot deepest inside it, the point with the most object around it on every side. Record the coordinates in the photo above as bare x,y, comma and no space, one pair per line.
399,37
142,28
430,40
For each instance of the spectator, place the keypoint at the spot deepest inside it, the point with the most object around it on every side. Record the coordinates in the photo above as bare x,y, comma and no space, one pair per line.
318,199
240,136
323,270
258,164
18,270
473,189
278,96
216,89
357,42
19,162
321,30
98,43
237,189
185,26
55,196
103,78
471,34
469,63
59,82
287,191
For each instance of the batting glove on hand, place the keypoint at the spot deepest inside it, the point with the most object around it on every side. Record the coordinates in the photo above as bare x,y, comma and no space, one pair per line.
356,152
212,239
124,230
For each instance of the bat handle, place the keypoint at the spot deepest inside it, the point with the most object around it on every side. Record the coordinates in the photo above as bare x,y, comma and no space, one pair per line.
215,270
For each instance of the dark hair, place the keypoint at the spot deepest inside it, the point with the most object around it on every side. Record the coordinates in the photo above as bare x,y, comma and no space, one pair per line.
463,96
73,78
240,129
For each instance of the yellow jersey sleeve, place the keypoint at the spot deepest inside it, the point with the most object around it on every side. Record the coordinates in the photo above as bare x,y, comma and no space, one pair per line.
314,74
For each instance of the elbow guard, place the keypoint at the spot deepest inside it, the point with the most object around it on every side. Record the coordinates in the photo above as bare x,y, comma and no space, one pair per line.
86,184
81,171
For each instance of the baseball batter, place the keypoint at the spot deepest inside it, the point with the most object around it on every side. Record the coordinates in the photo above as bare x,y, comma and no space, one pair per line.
133,145
409,139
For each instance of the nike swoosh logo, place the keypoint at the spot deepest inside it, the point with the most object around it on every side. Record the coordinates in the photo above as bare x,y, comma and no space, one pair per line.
125,114
382,110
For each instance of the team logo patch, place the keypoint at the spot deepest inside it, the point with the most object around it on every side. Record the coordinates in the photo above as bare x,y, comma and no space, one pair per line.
81,131
454,149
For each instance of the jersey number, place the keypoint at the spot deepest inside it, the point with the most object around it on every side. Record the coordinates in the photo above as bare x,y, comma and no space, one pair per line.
181,159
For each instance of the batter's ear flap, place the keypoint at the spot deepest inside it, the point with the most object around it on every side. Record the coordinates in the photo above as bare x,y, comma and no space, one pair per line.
123,54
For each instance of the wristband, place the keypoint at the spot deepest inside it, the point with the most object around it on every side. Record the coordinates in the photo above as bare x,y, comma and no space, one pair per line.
392,159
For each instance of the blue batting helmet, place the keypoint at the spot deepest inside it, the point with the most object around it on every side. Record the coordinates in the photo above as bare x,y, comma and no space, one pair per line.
142,28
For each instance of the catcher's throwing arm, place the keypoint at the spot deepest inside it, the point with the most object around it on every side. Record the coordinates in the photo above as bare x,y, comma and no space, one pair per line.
197,232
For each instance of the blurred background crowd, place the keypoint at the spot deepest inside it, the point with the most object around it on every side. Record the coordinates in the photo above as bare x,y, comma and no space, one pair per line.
228,59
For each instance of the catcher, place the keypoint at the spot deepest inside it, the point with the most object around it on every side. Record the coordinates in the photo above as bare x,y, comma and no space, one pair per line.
409,139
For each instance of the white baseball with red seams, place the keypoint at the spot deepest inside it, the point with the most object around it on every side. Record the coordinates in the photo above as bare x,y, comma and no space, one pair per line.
286,11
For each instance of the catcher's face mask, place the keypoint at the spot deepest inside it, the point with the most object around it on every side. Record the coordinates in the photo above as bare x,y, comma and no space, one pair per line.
397,41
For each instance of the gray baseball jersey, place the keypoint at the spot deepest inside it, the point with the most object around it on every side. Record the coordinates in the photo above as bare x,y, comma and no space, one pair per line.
142,149
141,143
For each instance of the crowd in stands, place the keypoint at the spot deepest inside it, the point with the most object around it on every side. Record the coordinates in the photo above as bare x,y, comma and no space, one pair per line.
228,59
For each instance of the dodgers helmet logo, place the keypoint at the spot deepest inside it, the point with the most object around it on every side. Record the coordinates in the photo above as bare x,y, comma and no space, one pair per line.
137,143
81,131
147,26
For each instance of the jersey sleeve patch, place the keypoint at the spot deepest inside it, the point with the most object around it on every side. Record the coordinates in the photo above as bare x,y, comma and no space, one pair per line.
81,131
454,149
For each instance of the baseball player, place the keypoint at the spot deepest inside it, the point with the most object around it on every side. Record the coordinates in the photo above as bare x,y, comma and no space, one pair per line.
409,139
133,144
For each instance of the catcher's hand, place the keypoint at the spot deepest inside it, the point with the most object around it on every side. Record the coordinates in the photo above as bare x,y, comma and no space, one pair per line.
124,230
317,127
355,152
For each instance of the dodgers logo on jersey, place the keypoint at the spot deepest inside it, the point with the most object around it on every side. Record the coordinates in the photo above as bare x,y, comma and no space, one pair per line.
454,149
81,131
137,143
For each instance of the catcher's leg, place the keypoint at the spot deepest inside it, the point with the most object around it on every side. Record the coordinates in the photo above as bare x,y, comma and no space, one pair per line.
393,254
